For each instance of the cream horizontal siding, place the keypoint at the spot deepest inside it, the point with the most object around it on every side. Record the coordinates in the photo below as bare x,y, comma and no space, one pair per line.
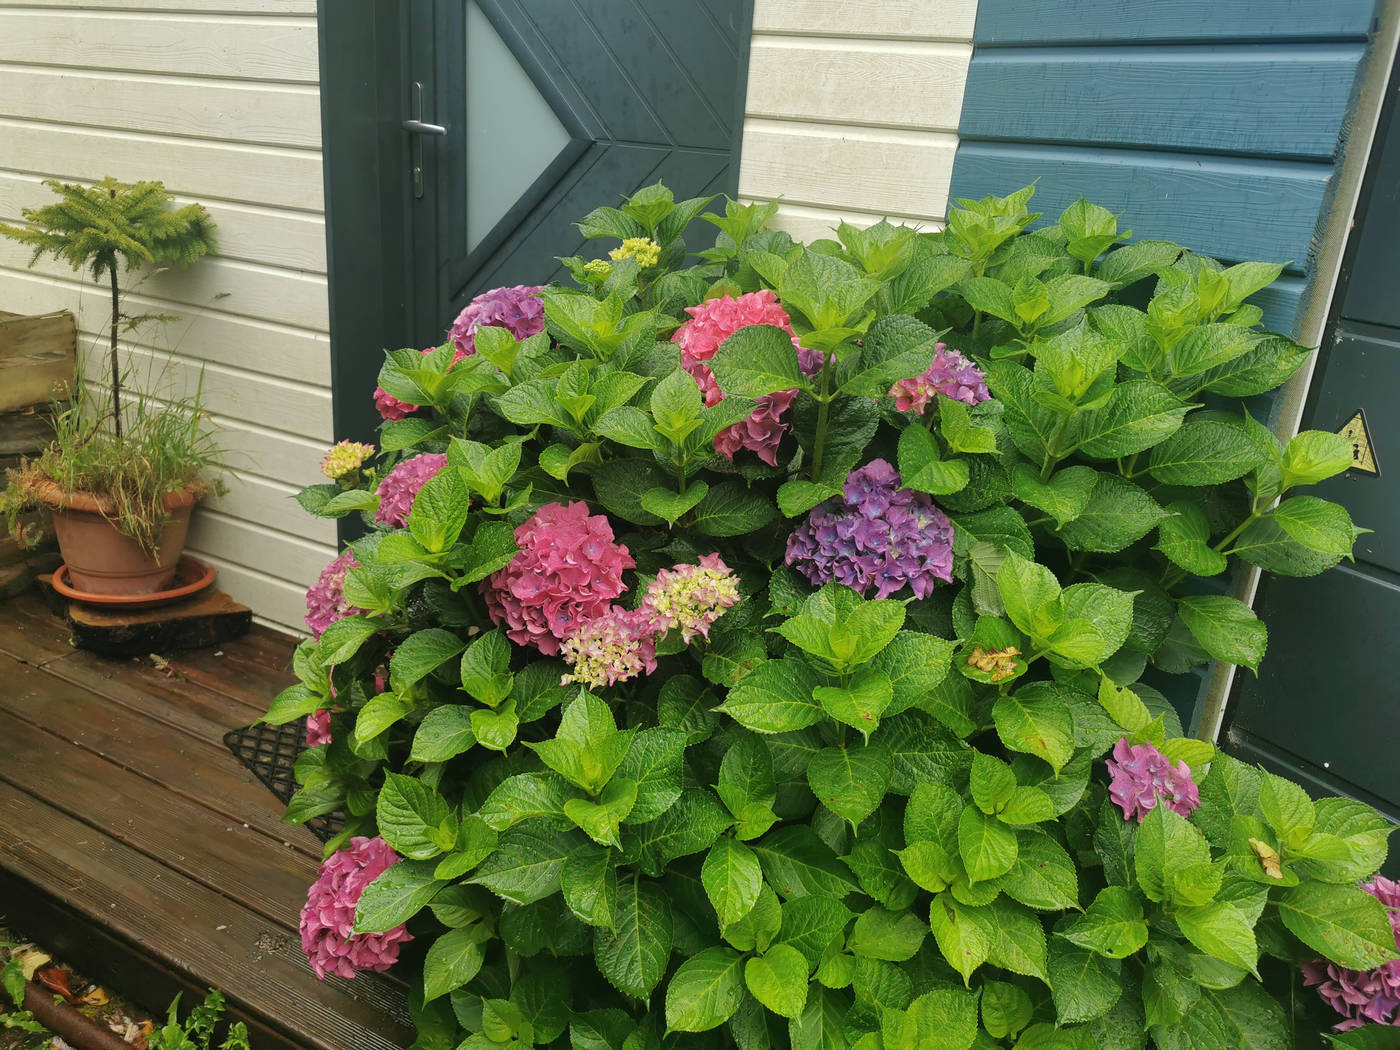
219,100
852,110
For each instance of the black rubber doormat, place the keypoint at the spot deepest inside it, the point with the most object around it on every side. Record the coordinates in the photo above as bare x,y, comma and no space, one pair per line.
270,752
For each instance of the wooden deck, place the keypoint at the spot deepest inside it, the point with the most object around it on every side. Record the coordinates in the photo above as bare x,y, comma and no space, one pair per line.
139,848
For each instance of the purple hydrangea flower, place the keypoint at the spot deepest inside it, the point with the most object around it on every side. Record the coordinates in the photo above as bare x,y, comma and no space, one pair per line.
518,309
875,535
1363,997
325,600
328,918
1142,775
400,487
951,374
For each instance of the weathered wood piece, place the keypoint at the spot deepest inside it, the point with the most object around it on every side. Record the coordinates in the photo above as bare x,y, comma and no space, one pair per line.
205,619
38,358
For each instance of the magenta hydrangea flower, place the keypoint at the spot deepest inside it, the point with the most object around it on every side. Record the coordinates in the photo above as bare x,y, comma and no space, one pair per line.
568,571
875,536
325,600
518,309
400,487
710,324
1142,775
318,728
1363,997
691,597
328,918
950,374
611,648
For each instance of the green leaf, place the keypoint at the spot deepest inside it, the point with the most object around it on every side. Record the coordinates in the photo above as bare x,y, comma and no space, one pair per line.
409,815
893,936
495,730
775,697
1223,931
452,960
798,497
1318,525
851,782
987,846
964,934
1112,925
1006,1009
588,881
672,506
653,762
729,509
601,820
633,956
1084,985
922,467
705,991
1018,943
1043,876
1184,538
1166,845
526,865
526,796
1031,595
491,548
1268,365
732,879
992,783
420,654
778,980
746,786
619,489
756,360
860,703
691,825
1268,546
1138,415
1204,452
822,1025
588,747
1313,456
1226,628
1036,722
916,664
812,923
344,638
1118,514
486,668
378,715
1207,346
797,863
1344,923
1063,497
396,896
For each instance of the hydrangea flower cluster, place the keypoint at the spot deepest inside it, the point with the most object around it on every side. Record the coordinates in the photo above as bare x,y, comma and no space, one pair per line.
400,487
710,324
318,728
950,374
1141,775
645,250
689,598
328,918
568,572
518,309
1363,997
612,648
344,458
325,600
875,536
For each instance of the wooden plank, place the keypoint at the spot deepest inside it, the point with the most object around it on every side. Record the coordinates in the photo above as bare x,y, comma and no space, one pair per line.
142,42
808,224
1231,209
194,930
233,7
33,641
877,171
220,854
1281,303
260,292
198,771
273,237
263,115
281,602
875,83
259,499
285,556
37,358
896,19
1142,21
208,619
1276,101
202,335
196,168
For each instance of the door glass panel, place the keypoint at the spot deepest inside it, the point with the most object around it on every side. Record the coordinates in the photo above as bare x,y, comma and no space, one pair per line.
512,133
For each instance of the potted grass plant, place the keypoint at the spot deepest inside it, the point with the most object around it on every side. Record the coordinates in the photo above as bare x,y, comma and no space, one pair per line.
124,470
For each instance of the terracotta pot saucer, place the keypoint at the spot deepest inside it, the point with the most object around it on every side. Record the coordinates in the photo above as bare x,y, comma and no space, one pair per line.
191,577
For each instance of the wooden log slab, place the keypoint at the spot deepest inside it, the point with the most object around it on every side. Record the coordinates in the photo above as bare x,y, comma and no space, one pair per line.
202,620
38,358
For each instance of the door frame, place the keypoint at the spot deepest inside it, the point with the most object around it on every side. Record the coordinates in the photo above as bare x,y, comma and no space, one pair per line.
364,77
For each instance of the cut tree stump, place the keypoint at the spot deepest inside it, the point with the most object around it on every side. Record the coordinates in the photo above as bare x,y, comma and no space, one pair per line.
206,619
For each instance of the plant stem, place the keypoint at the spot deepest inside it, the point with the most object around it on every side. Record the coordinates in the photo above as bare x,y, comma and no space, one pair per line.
823,412
116,368
1052,454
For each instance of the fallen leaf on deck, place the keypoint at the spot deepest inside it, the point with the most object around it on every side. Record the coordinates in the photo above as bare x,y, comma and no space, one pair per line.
30,959
96,997
57,979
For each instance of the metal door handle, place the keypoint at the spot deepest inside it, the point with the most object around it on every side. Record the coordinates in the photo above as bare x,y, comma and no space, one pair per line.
417,127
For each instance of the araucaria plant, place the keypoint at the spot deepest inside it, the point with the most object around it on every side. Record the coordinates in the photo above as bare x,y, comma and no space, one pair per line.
770,652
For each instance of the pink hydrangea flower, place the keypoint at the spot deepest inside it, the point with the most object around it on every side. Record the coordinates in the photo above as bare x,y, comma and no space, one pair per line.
1142,775
325,600
400,487
318,728
710,324
950,374
328,918
611,648
1363,997
518,309
692,597
568,571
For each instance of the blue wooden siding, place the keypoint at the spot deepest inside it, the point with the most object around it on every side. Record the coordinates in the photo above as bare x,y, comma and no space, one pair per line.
1213,124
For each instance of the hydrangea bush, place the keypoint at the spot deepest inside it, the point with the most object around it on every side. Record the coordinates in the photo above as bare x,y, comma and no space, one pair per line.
764,648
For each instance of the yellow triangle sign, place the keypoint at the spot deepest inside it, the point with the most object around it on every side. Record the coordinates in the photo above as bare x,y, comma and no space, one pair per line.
1363,452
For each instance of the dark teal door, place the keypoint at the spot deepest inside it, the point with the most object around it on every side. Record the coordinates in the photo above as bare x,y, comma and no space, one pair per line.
550,108
462,138
1326,706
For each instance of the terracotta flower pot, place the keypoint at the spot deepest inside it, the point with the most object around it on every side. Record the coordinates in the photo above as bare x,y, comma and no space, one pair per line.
103,560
